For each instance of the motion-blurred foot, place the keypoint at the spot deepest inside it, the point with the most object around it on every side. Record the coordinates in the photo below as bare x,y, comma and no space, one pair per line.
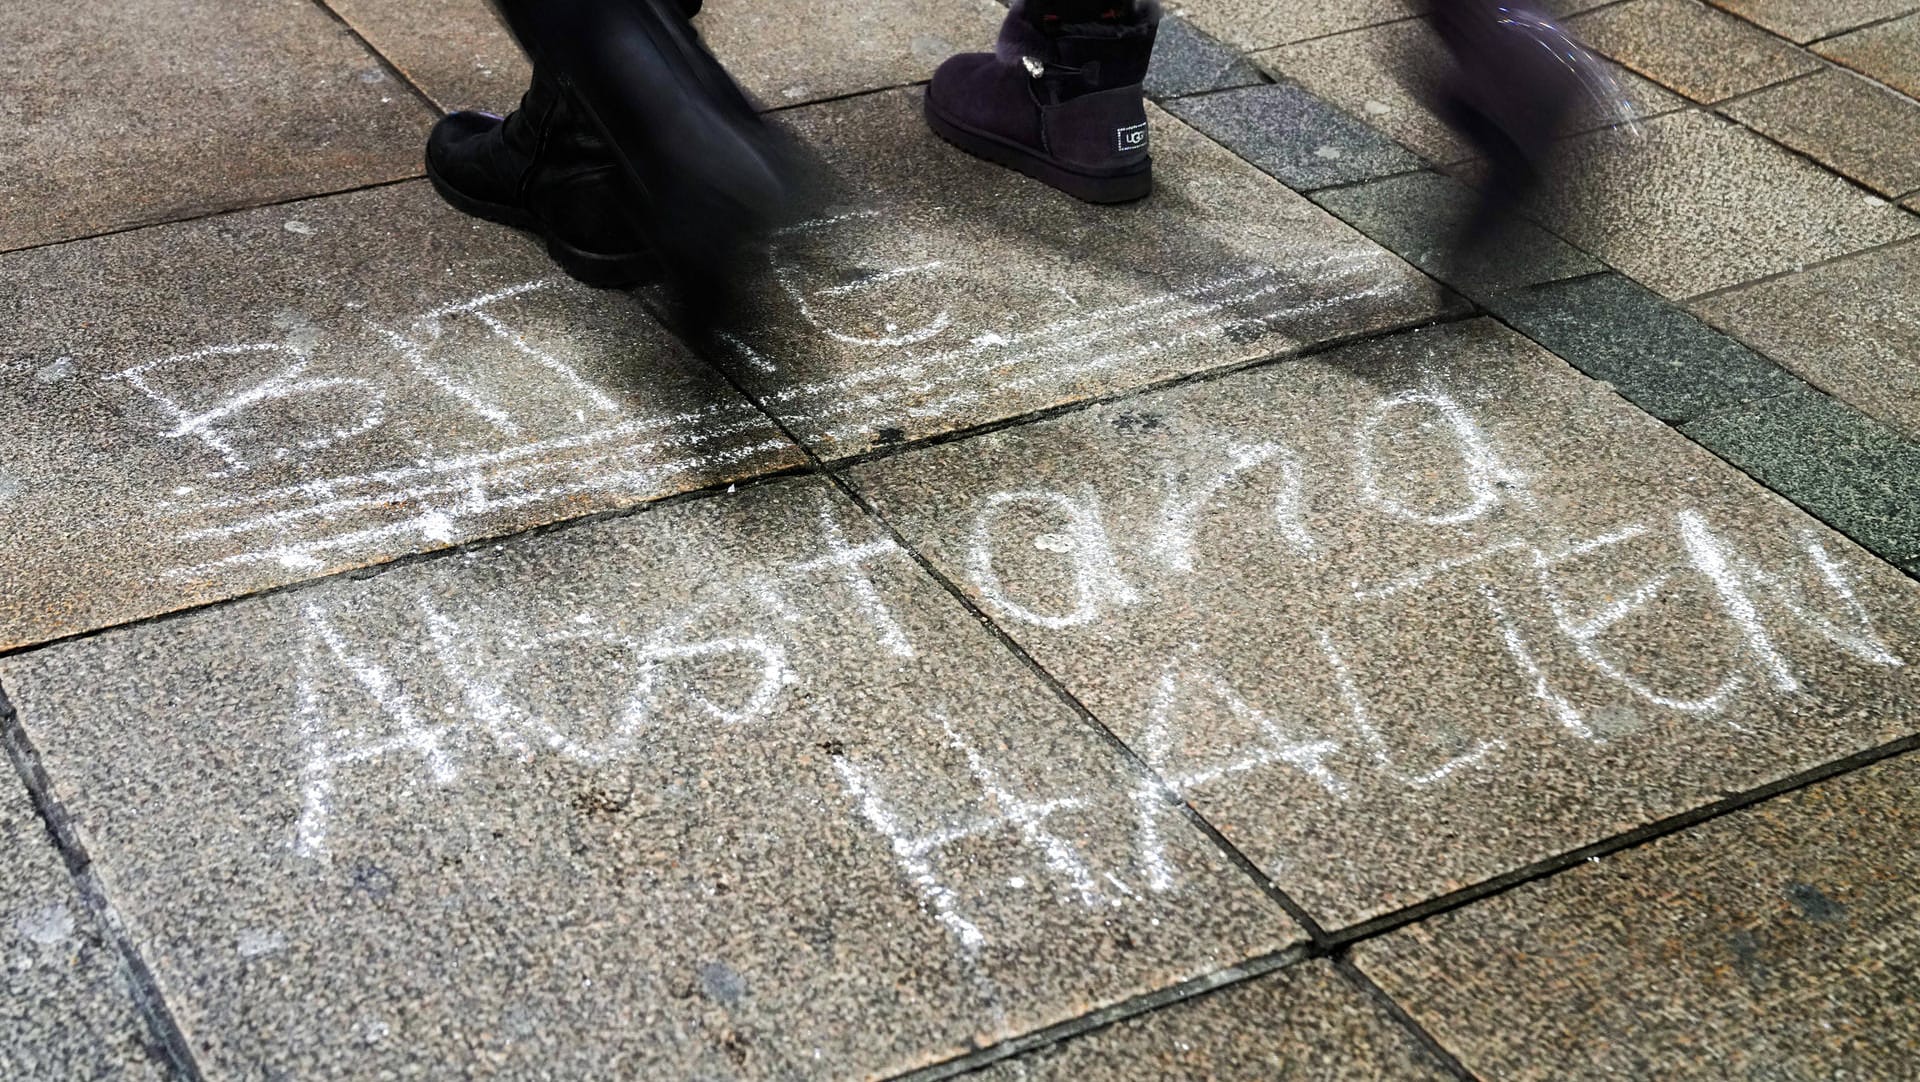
1518,78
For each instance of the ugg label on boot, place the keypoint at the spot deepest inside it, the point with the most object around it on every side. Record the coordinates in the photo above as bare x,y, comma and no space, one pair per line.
1131,138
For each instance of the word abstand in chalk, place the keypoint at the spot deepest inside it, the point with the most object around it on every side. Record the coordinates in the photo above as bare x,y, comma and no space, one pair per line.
480,696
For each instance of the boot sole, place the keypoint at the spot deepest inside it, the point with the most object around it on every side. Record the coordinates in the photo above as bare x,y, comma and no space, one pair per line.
596,269
1087,187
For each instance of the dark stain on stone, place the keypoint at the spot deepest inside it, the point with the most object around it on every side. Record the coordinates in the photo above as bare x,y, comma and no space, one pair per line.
1815,905
1139,422
370,879
853,276
598,803
1245,332
1746,954
722,983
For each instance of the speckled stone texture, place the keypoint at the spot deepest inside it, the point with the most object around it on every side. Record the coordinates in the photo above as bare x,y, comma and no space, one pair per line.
1831,459
456,52
729,788
1294,136
792,51
1262,24
782,52
1690,203
1801,21
1889,52
1852,327
1854,127
1656,355
1305,1023
1777,942
124,112
210,408
1189,61
1421,216
1403,616
65,1009
1687,46
1373,73
942,292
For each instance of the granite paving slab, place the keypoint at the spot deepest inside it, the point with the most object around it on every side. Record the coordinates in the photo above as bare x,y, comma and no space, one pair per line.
1294,136
1685,45
943,292
1851,471
460,55
788,52
729,788
1187,60
1373,74
1780,942
1855,127
1851,327
782,52
1263,24
1802,22
1413,613
65,1007
1420,217
1889,52
1690,203
1658,356
210,408
1302,1024
121,112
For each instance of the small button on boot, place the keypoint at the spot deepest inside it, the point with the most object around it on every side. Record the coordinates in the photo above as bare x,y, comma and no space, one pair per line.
545,169
1061,103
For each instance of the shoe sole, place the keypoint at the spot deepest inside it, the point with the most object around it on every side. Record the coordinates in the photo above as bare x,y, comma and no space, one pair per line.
1087,187
596,269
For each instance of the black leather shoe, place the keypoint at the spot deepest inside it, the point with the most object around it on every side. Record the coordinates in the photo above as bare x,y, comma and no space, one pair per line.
545,169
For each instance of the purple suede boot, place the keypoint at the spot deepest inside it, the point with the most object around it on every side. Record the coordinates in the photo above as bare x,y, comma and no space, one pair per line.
1063,105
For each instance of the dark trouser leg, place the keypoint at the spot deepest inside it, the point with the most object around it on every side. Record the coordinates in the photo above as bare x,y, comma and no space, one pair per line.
1079,11
1517,77
710,172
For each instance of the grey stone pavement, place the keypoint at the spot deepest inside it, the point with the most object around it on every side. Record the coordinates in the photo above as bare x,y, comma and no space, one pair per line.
1214,638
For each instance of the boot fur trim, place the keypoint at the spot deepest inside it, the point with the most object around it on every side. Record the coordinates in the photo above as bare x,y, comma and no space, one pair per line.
1020,38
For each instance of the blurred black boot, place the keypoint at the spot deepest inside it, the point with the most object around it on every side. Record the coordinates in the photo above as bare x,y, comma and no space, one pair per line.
546,170
1517,79
711,177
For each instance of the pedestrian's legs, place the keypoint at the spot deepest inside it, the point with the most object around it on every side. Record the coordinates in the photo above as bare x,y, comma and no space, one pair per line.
696,173
1516,78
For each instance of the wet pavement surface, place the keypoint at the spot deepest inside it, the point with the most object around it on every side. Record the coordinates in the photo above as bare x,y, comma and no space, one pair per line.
1218,637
